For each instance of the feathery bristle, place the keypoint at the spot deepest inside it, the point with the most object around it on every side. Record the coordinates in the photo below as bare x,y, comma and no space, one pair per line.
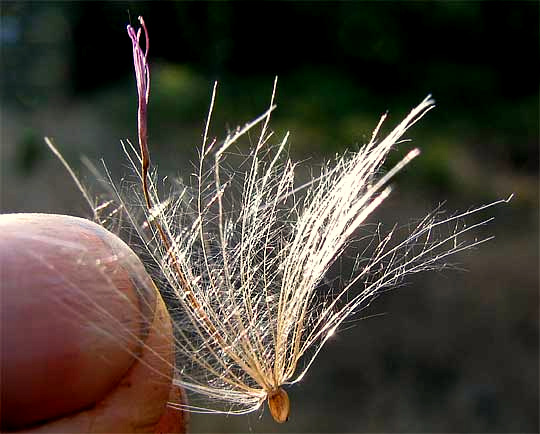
243,256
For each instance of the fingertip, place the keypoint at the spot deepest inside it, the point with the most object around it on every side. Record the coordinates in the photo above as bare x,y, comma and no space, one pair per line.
107,346
174,420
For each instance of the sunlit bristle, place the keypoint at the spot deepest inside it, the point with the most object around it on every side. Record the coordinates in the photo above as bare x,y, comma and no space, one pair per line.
242,253
245,256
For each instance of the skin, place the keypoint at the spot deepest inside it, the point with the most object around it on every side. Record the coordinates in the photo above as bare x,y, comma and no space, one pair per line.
86,341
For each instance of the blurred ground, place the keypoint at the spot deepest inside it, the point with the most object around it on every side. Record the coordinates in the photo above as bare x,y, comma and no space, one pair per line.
455,351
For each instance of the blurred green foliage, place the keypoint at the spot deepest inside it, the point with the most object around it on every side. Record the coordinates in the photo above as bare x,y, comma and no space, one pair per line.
29,151
340,66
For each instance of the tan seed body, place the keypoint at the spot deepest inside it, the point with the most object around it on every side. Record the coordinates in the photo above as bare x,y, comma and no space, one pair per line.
278,403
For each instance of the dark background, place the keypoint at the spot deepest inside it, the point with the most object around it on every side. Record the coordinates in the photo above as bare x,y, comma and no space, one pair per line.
456,351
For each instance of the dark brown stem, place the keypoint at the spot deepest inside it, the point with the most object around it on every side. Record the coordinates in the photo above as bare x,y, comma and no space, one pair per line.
142,75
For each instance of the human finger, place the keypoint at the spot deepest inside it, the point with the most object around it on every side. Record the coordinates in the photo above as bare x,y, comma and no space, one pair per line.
79,314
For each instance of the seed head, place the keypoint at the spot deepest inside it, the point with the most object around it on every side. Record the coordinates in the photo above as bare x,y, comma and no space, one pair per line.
242,255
